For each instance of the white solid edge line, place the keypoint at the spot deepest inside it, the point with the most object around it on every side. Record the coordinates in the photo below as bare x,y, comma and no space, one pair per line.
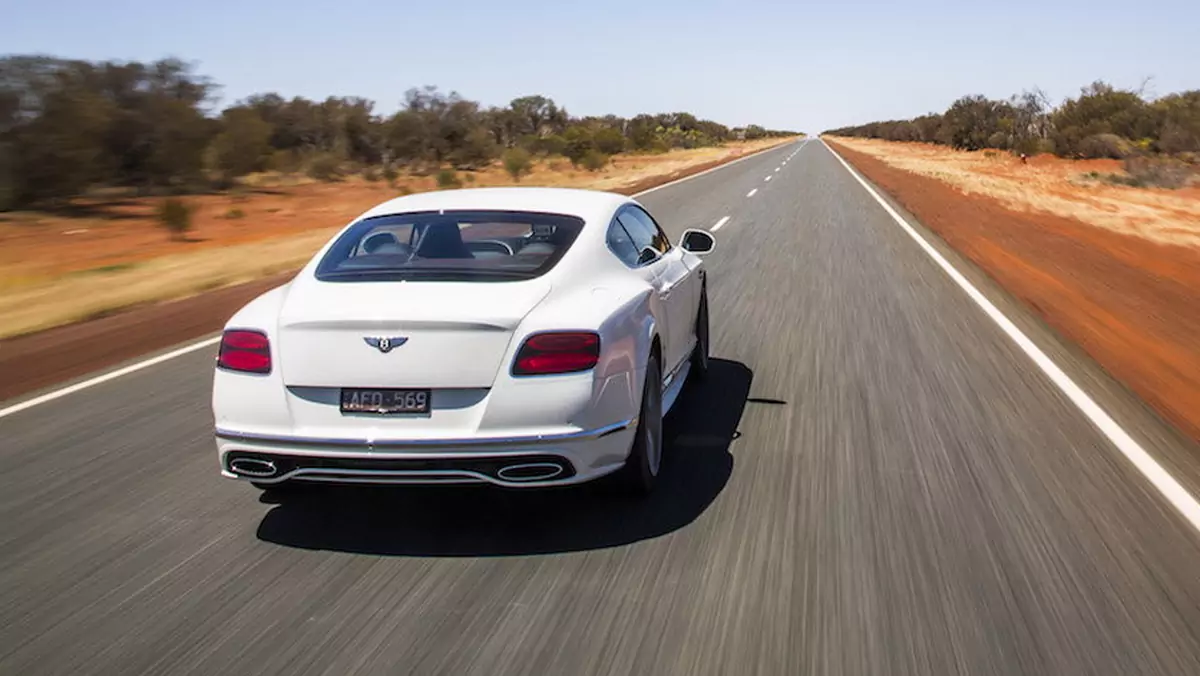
112,375
1170,489
751,193
721,222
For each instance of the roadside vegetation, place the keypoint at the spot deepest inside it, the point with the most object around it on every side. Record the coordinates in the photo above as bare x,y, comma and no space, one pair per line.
123,184
1157,140
70,127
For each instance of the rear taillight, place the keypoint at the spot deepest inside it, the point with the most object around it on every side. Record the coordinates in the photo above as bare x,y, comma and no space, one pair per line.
246,351
563,352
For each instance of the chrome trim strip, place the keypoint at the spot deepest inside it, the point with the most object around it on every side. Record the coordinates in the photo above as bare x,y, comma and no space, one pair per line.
411,477
445,476
370,444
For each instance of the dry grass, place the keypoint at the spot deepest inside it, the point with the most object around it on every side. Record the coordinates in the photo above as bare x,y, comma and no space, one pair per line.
57,269
86,295
1052,185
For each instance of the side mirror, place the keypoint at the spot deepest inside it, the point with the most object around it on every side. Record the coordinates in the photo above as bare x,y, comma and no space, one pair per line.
697,242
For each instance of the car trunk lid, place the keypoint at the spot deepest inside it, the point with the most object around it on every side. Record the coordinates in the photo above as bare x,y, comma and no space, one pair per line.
401,334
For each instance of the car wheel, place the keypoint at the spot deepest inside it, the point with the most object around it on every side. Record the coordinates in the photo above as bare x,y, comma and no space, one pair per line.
699,369
645,457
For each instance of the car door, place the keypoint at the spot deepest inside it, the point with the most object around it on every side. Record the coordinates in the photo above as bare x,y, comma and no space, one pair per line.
671,279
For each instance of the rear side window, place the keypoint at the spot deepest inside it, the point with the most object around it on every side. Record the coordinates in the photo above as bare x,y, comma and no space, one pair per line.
642,237
621,244
450,246
658,239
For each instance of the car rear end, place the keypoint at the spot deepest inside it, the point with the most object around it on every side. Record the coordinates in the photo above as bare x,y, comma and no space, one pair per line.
386,366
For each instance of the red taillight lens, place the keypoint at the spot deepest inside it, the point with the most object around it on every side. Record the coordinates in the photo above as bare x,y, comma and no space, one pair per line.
247,351
548,353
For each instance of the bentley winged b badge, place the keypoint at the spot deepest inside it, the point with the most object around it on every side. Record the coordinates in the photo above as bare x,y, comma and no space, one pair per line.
385,344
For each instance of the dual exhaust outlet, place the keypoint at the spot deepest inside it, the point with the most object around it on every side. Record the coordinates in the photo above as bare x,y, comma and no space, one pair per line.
530,471
258,468
253,467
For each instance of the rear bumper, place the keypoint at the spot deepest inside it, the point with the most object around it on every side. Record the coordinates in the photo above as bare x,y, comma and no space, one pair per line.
530,461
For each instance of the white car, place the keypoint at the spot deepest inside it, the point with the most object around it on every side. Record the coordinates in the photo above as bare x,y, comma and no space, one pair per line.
523,337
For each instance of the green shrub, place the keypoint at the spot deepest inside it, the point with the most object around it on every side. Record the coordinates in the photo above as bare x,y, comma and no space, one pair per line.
578,144
552,145
530,142
594,160
1030,146
285,161
659,146
370,174
517,163
448,178
8,180
235,213
244,146
1105,146
469,177
609,141
390,174
325,167
475,151
1157,172
176,216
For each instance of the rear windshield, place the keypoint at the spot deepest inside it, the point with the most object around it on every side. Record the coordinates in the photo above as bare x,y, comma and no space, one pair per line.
450,246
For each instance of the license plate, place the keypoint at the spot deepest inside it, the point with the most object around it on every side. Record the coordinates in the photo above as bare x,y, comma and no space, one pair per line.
355,400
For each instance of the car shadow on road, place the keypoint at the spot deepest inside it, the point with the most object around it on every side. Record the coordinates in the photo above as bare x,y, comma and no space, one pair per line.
450,522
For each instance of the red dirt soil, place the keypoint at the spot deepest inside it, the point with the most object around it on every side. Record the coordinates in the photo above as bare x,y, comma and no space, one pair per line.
1131,304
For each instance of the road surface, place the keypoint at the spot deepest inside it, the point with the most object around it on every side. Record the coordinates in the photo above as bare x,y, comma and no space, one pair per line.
876,481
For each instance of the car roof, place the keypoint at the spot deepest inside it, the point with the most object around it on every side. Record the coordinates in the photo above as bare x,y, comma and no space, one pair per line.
590,205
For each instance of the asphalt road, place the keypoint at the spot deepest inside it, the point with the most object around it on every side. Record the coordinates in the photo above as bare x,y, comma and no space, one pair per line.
875,481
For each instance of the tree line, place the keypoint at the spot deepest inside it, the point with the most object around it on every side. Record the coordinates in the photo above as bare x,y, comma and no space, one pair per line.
1102,122
67,126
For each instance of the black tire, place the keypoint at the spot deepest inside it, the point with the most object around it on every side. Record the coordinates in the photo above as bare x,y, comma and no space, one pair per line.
644,464
699,368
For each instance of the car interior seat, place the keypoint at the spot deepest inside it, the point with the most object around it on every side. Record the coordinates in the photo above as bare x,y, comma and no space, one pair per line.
443,240
382,243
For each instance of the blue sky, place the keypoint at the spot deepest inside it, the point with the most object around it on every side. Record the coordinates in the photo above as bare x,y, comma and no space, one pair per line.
784,64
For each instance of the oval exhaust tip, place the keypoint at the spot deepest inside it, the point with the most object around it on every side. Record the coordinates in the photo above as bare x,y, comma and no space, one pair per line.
253,467
530,471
